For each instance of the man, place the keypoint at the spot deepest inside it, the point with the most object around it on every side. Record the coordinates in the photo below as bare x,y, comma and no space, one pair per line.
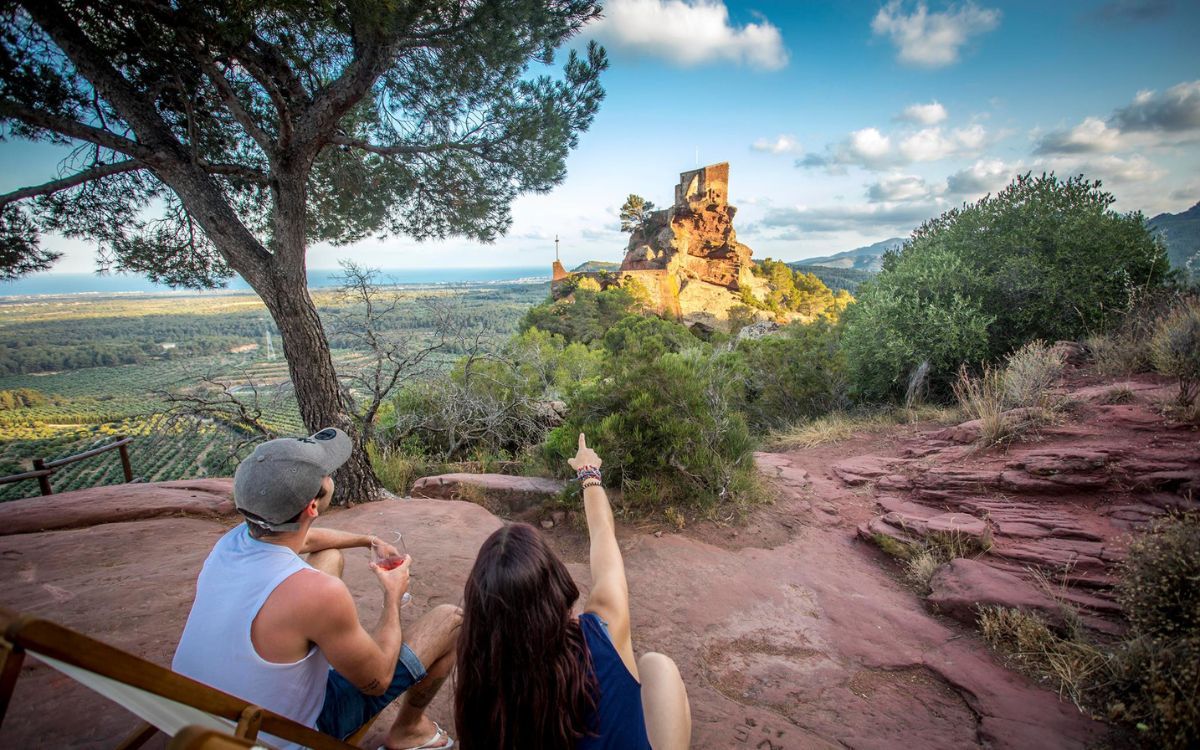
283,633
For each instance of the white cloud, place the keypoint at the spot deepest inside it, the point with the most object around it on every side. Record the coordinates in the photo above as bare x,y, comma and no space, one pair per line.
872,149
782,144
1109,169
868,145
900,188
689,33
923,114
1175,110
932,40
1090,136
984,176
932,144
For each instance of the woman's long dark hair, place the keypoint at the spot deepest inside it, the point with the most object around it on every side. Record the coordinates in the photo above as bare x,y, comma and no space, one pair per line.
525,678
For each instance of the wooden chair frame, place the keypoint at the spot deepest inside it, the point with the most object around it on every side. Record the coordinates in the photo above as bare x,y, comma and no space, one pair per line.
26,634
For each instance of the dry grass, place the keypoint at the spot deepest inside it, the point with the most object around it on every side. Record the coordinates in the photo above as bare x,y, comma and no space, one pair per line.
1118,353
397,470
1119,395
1175,349
1011,401
920,568
840,426
1029,645
1029,373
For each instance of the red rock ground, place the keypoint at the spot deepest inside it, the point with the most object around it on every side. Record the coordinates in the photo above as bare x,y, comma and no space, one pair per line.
790,631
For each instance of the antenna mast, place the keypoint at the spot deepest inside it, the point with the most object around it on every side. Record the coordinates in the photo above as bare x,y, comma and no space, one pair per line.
556,247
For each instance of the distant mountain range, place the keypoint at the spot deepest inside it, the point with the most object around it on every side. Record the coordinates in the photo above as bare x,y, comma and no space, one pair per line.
861,258
1181,232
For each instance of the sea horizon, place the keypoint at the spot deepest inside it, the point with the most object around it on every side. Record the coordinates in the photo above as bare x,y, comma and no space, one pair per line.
59,284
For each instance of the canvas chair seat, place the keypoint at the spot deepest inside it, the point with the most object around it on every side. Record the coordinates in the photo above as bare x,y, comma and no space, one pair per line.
166,701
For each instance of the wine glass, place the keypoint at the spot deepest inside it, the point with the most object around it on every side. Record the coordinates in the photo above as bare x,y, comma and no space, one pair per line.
391,562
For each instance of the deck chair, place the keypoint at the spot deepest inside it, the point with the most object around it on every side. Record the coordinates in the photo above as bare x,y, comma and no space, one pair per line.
166,701
194,737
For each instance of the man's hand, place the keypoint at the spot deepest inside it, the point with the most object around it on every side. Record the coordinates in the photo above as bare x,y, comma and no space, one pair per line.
382,548
395,581
585,456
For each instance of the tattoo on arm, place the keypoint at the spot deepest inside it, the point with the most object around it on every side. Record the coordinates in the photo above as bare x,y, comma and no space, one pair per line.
372,685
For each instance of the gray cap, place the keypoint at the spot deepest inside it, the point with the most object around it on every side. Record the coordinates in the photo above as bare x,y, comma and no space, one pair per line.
281,476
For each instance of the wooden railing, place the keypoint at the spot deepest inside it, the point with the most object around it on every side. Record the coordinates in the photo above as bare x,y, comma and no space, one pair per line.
43,469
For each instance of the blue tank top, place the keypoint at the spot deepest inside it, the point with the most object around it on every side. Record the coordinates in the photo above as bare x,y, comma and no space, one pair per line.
618,721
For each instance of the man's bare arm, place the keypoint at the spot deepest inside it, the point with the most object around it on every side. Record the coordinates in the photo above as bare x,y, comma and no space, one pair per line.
321,539
367,660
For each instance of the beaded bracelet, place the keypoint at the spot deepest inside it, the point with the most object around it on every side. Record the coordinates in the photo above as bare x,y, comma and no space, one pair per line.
588,472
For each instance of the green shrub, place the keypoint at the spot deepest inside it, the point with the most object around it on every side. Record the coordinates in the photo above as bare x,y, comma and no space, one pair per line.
667,430
913,314
1175,349
585,317
799,374
496,403
1044,259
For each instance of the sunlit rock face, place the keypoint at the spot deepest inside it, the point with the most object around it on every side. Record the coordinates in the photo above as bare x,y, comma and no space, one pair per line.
687,256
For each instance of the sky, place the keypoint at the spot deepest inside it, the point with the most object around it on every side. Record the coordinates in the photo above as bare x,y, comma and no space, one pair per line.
844,123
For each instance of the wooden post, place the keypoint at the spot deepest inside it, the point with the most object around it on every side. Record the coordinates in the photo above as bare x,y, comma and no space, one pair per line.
11,657
249,723
138,737
43,481
125,466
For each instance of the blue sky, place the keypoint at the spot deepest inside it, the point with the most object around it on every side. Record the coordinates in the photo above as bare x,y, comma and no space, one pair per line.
844,122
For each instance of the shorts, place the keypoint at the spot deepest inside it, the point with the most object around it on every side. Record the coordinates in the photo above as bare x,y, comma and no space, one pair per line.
347,708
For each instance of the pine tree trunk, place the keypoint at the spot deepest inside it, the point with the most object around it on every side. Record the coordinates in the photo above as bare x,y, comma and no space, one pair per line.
322,401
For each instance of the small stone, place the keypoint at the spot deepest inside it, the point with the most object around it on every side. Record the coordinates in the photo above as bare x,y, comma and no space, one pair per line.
658,534
547,523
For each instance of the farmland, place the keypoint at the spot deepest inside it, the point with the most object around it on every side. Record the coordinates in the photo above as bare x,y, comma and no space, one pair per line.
79,370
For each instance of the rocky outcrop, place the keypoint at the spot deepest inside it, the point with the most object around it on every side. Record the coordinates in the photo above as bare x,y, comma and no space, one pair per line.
503,494
1055,509
201,498
687,257
960,587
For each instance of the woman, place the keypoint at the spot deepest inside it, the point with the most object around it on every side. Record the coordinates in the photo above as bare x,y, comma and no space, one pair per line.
533,675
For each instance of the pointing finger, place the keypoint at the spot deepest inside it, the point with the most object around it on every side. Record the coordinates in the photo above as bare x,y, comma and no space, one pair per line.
582,442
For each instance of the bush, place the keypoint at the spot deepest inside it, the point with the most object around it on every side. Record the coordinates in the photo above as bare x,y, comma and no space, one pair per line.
910,316
497,403
667,430
1175,349
586,316
1029,373
1044,259
1155,680
796,375
1158,587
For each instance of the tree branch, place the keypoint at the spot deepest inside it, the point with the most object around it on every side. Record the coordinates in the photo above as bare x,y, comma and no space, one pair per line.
87,175
229,97
235,170
95,66
74,129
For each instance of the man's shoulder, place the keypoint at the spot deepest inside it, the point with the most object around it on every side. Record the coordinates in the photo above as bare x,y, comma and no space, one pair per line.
311,592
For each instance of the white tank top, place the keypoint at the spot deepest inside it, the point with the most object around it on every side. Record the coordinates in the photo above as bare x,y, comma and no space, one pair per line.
215,648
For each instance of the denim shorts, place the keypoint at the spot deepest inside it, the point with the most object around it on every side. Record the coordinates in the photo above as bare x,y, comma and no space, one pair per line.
347,708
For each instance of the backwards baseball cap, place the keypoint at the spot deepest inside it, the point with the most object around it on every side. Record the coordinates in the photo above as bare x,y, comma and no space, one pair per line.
275,482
